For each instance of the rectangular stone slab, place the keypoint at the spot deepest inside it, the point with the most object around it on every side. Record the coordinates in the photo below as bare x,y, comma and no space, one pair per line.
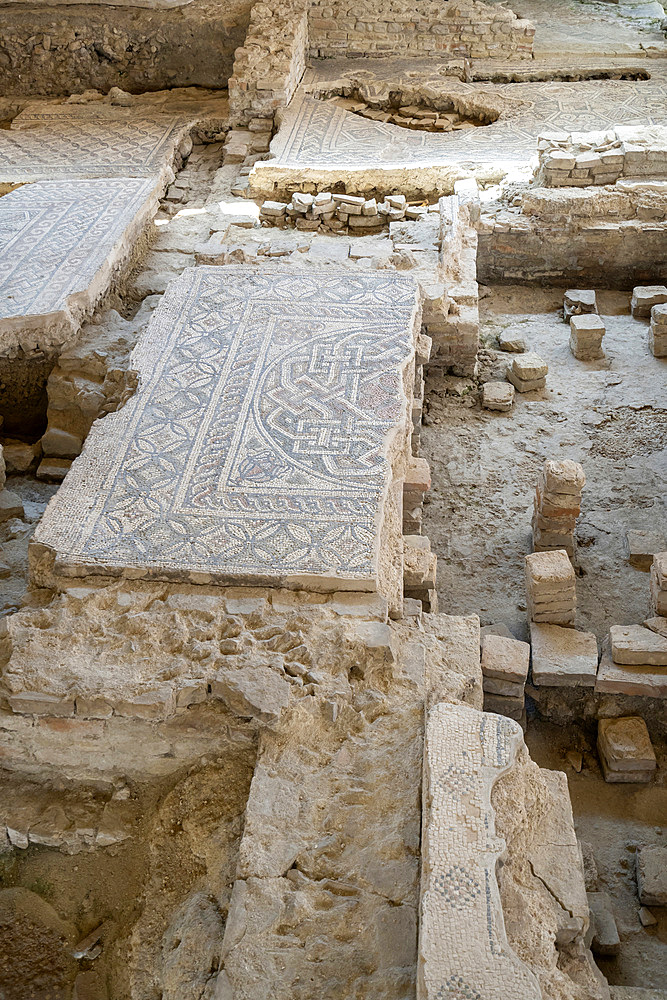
260,443
636,644
60,243
68,141
563,657
617,678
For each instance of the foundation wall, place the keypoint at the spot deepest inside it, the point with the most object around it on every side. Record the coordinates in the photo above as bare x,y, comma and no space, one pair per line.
267,69
370,28
56,50
595,158
606,255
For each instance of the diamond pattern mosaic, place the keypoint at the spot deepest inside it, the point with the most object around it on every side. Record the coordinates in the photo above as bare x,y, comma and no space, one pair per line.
463,951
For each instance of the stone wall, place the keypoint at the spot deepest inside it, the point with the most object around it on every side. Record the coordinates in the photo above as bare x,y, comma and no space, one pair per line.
268,67
396,28
609,238
585,158
56,50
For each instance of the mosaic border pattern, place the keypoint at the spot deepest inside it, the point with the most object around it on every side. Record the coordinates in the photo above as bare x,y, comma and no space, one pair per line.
256,446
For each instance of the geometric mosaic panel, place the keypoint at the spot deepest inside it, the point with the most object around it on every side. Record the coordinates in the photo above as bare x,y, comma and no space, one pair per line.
64,141
55,239
463,949
255,448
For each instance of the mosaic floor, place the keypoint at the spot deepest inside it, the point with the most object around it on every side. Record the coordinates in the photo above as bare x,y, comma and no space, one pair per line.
59,241
68,141
255,449
318,136
466,752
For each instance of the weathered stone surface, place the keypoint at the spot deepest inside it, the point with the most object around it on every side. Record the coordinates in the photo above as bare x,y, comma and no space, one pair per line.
110,142
658,624
625,749
617,678
550,587
529,367
605,933
11,505
510,706
652,875
505,659
635,644
586,333
642,546
563,657
259,692
67,240
577,301
280,468
644,297
497,396
463,944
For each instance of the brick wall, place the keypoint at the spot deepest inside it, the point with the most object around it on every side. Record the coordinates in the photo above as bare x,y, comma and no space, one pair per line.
419,27
268,67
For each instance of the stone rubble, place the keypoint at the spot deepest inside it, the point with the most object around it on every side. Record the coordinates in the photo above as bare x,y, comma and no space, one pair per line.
652,875
579,302
625,750
658,584
557,505
528,372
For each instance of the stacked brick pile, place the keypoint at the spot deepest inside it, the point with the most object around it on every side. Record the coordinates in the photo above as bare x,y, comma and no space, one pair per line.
528,372
419,571
659,584
505,663
417,481
586,333
657,336
557,505
336,212
550,588
579,302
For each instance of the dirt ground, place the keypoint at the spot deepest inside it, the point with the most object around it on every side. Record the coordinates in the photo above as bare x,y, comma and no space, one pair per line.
610,415
615,820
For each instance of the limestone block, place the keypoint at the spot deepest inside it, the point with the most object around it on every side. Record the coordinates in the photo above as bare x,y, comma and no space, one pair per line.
258,692
625,749
463,946
508,689
642,546
644,297
657,624
510,707
605,933
11,505
635,644
497,396
53,470
512,344
297,471
578,301
550,587
563,476
529,367
525,385
18,455
505,658
652,875
563,657
586,333
617,678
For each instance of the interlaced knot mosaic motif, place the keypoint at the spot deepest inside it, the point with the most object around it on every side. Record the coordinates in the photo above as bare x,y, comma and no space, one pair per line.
464,953
256,444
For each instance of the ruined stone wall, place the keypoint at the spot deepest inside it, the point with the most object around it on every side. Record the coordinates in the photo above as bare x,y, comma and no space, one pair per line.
56,50
612,238
585,158
469,28
267,69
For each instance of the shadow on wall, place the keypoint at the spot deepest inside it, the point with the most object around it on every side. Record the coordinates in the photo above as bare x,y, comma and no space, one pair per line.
58,49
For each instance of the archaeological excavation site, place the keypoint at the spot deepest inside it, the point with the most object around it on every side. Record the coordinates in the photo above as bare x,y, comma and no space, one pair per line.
333,500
